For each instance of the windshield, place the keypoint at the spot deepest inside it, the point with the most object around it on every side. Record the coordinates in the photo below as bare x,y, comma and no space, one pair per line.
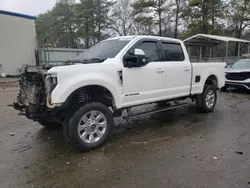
103,50
242,64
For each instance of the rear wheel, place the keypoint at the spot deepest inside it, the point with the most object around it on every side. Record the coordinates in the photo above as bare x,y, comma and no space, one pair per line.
90,126
47,124
207,100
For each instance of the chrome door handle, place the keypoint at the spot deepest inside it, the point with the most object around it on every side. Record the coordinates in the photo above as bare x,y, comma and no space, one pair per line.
160,70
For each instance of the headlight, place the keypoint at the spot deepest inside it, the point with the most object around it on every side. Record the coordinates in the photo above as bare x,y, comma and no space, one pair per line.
51,82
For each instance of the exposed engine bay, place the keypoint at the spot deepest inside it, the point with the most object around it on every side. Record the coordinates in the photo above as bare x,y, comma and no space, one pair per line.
32,94
35,84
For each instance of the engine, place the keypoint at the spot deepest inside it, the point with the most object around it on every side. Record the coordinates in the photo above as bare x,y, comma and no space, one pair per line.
32,94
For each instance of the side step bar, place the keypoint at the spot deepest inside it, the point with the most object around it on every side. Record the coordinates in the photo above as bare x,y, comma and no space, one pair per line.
155,111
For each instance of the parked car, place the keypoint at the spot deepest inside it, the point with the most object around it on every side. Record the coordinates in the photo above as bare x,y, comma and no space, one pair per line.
238,75
112,76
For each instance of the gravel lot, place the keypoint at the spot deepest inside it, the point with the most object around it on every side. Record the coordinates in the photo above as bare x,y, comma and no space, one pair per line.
179,148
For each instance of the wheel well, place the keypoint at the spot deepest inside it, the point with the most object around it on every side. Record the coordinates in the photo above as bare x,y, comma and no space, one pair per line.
92,93
212,80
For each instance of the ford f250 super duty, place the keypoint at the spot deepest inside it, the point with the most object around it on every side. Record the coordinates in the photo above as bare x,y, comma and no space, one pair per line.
115,75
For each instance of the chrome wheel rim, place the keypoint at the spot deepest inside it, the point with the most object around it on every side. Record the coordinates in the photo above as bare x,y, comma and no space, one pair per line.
92,126
210,99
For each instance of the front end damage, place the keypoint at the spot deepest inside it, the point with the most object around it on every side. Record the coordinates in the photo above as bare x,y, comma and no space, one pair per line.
33,99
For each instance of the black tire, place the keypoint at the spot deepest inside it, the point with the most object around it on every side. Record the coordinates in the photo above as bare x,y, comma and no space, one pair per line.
67,118
74,136
50,125
201,99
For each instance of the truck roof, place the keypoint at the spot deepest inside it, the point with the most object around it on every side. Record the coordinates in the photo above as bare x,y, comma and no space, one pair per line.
145,36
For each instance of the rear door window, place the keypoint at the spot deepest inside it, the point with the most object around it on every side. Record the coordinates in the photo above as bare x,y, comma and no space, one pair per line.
172,51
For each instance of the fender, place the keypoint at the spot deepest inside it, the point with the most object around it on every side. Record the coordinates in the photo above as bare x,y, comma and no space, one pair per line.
65,88
209,72
205,72
217,73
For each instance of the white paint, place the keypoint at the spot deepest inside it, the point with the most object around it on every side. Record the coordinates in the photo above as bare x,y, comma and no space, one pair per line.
139,52
151,83
206,70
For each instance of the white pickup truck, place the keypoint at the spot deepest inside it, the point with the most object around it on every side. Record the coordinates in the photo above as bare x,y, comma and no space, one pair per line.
114,75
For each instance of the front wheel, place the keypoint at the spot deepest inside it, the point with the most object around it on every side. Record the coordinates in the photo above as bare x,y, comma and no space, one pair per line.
90,126
207,100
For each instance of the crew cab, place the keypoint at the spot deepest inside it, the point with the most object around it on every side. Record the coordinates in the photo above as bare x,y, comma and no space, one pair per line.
113,76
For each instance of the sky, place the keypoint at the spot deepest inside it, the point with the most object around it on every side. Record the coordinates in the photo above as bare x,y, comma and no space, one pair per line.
30,7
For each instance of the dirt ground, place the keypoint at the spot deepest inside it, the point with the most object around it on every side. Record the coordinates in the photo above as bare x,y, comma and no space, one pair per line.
9,84
179,148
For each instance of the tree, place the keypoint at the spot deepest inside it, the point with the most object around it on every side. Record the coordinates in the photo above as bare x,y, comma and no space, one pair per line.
102,13
168,21
239,16
177,12
56,27
63,24
239,19
204,16
85,20
43,24
147,10
178,7
69,24
92,20
122,21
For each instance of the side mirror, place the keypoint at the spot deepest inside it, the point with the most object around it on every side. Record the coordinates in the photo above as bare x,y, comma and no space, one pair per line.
138,59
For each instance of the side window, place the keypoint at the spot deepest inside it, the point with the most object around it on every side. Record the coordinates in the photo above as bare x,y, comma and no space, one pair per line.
172,52
150,49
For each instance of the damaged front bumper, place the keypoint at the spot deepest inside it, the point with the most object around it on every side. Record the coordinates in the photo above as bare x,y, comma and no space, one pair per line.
34,95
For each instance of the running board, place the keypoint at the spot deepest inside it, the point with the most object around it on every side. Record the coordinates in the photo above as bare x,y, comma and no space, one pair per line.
155,111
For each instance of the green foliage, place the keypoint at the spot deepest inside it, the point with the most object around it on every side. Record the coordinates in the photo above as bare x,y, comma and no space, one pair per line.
67,24
82,24
239,16
57,26
204,16
142,10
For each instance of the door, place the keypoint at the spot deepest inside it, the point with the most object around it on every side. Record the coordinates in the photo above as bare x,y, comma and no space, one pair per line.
144,84
178,70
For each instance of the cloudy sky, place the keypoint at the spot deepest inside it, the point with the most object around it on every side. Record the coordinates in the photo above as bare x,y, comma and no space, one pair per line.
30,7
